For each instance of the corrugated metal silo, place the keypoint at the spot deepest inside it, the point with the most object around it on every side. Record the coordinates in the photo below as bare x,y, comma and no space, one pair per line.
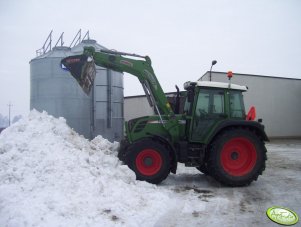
107,97
108,104
54,90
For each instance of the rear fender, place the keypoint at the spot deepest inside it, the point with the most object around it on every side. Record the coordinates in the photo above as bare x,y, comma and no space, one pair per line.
251,125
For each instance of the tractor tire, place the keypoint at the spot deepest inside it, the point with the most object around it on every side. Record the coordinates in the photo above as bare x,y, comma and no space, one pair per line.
237,157
150,160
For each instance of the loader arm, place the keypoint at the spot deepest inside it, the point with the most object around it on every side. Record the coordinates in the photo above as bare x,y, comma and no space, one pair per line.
82,68
142,69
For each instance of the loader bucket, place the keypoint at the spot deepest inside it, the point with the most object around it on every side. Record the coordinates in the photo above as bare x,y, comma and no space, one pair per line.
82,68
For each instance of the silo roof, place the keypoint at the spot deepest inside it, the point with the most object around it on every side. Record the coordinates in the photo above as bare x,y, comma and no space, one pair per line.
56,52
89,42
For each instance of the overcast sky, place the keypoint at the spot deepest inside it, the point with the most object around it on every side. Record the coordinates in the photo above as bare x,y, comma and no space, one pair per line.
182,37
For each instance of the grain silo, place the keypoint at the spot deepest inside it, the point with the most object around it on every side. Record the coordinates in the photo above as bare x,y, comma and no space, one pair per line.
55,91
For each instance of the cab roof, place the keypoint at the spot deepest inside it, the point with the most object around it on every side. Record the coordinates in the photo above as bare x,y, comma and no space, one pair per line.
214,84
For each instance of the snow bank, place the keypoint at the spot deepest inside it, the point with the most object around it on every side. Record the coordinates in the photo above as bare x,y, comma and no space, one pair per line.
51,176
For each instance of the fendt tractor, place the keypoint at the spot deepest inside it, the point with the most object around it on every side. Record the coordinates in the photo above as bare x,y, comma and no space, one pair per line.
212,132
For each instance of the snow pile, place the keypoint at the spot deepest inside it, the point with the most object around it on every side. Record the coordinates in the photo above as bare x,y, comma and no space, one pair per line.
51,176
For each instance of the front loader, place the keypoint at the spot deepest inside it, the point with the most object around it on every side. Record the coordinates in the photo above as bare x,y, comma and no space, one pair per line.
212,133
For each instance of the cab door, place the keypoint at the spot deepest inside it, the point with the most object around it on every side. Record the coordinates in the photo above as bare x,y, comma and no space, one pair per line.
209,110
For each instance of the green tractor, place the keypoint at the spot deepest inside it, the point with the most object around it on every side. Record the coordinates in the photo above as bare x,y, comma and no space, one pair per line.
212,132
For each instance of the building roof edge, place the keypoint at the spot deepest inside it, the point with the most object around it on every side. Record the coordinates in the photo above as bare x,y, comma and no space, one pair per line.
254,75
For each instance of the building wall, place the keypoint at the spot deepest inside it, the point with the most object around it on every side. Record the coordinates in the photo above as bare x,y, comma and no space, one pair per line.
136,106
277,101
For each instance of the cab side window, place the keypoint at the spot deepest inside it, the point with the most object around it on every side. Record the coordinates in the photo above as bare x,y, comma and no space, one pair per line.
237,109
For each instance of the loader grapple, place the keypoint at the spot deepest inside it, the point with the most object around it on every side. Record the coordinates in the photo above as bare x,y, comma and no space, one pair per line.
82,68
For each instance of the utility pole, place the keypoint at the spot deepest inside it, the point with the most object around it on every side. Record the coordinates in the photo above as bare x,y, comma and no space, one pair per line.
9,109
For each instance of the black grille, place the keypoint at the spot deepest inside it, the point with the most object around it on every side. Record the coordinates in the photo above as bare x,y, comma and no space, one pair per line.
140,126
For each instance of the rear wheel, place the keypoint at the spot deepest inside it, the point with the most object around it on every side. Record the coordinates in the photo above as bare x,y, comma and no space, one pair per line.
237,157
150,161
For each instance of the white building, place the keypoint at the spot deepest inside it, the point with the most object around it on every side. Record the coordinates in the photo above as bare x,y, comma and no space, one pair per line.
136,106
277,102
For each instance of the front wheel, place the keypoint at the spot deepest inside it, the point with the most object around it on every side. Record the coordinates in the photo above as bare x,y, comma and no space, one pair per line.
237,157
150,161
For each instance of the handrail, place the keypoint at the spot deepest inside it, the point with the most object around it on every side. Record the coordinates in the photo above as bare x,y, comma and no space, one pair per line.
45,48
78,37
60,39
87,35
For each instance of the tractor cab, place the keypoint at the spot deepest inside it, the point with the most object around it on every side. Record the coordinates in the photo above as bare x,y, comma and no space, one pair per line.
208,104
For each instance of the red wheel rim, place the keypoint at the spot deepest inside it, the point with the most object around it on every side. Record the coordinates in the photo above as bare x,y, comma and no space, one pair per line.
238,156
148,162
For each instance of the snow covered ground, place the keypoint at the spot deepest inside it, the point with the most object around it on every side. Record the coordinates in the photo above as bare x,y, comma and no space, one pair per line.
51,176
